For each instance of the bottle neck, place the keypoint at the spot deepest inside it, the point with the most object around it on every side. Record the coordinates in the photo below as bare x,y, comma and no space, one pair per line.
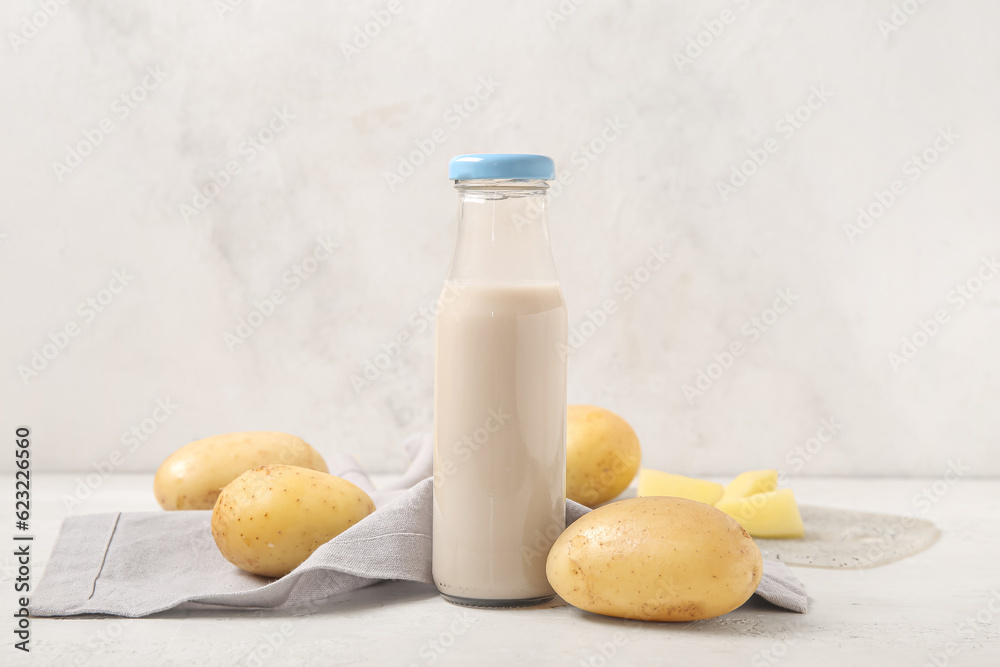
503,233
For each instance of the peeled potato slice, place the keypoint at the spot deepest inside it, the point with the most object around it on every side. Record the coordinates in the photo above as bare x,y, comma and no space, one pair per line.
656,483
751,483
774,514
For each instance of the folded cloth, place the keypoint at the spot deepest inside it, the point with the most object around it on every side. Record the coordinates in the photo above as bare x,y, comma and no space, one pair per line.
139,563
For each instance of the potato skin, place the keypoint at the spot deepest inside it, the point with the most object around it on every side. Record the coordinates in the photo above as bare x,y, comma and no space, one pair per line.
192,477
602,454
657,559
270,519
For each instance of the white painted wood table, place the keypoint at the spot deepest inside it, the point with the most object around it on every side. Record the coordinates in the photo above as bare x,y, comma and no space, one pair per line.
936,608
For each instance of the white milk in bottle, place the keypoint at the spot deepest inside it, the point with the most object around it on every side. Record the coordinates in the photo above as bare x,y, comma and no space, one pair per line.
499,389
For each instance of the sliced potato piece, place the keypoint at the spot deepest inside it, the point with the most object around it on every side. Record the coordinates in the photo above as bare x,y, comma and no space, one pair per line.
774,514
751,483
656,483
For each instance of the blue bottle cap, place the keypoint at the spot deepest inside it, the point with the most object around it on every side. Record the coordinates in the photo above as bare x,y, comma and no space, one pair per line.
488,166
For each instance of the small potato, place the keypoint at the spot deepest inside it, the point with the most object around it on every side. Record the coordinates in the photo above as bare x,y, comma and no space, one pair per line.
192,477
655,559
268,520
602,454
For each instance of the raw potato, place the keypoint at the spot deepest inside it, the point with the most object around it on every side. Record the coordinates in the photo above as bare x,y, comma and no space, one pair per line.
655,559
268,520
602,454
751,483
656,483
192,477
774,514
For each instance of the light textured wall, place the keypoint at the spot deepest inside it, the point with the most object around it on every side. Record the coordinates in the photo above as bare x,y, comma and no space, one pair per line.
644,136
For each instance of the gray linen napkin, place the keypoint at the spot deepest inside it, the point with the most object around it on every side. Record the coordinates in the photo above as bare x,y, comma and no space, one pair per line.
138,563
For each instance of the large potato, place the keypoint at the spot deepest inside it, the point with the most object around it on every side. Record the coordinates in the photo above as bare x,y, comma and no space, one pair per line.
656,559
192,477
268,520
602,454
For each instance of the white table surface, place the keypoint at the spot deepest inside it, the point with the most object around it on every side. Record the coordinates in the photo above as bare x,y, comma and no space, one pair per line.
912,612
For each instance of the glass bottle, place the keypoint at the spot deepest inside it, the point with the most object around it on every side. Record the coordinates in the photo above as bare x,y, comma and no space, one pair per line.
499,389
